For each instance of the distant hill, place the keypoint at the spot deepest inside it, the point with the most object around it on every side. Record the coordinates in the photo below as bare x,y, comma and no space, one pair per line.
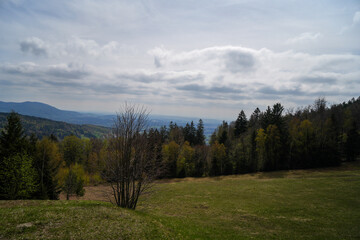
44,127
43,110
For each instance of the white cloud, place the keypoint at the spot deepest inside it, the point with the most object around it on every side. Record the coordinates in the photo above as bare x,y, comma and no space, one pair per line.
218,54
232,59
288,75
223,74
304,37
29,69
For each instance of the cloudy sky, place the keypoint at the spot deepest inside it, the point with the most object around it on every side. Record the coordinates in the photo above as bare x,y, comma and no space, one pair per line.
202,58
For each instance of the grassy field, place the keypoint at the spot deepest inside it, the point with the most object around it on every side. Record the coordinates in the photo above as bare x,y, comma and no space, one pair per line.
304,204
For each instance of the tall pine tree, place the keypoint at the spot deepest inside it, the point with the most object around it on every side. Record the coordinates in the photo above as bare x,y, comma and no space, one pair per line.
17,174
200,138
240,124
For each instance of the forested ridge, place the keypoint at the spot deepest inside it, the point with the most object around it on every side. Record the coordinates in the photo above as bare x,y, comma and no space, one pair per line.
42,127
317,135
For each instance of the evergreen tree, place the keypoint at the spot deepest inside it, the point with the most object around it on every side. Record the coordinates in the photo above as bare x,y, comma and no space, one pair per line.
266,118
213,137
273,116
254,121
17,175
164,133
223,133
12,139
186,132
176,133
189,132
253,156
200,138
192,134
240,124
47,163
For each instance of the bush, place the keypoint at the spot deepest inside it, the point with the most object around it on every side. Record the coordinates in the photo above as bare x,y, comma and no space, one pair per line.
73,185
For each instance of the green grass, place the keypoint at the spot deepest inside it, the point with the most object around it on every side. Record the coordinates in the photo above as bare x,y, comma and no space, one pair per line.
314,204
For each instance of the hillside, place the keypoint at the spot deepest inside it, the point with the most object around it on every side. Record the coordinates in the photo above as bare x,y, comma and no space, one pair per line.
301,204
43,110
45,127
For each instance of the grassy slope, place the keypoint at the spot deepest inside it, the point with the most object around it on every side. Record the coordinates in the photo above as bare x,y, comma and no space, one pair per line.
314,204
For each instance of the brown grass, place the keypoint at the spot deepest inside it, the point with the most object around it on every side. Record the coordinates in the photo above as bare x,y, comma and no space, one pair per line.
97,193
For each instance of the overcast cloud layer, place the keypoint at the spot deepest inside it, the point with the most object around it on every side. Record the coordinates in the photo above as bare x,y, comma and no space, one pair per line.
187,58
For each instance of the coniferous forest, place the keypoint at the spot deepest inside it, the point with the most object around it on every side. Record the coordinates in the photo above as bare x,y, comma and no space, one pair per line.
319,135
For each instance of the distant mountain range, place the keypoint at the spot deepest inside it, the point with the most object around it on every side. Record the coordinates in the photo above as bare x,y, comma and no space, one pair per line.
42,110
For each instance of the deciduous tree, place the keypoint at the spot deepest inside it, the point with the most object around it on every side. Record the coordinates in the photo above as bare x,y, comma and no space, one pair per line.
73,150
129,169
218,159
73,184
170,154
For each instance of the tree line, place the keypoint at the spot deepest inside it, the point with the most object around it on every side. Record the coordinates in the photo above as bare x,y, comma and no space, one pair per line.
314,136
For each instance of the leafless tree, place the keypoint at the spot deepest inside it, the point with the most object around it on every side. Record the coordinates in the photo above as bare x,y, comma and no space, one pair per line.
129,167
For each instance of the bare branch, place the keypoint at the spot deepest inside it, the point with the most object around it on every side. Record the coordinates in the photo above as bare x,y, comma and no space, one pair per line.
129,165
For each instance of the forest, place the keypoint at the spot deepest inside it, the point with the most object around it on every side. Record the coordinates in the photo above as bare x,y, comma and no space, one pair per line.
42,127
314,136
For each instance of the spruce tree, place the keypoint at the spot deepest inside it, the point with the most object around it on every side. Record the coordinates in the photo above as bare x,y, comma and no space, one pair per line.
17,174
240,124
200,138
12,140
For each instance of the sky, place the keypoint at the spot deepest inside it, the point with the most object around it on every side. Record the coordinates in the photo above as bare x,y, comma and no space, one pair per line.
203,58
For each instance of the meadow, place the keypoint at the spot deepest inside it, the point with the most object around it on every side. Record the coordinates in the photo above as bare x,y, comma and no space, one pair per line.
298,204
